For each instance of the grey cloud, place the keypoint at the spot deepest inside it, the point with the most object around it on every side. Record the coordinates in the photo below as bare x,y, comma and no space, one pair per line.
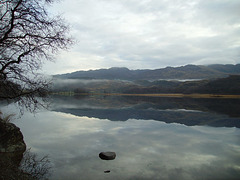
219,12
150,34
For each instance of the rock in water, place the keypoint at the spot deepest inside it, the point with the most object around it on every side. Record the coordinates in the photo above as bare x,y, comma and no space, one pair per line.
107,155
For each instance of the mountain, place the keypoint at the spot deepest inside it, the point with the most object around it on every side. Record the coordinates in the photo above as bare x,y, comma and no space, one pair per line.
183,72
112,73
228,68
189,79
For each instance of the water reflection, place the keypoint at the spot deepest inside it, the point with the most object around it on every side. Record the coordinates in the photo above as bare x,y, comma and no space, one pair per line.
25,166
188,111
146,149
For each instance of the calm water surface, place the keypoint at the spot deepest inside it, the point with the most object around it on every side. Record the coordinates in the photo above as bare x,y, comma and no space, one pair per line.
154,138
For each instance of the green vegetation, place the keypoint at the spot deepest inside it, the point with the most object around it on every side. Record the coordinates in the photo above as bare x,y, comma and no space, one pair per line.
229,85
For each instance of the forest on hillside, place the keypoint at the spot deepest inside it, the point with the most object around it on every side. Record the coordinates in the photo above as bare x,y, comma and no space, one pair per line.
228,85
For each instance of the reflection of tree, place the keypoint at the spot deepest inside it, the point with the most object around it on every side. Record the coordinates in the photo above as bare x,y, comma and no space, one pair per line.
38,168
30,167
15,161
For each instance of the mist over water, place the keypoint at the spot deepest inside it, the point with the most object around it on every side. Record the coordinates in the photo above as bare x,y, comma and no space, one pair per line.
154,138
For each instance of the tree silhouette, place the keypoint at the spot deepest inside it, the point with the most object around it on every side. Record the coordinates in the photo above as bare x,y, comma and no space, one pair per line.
28,37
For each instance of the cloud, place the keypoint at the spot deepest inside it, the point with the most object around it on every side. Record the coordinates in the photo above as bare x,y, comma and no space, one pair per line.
150,34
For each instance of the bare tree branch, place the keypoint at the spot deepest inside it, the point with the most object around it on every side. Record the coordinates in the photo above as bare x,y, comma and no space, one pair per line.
28,37
11,22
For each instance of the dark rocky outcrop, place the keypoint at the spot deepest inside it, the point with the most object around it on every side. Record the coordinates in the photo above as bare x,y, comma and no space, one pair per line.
11,139
12,147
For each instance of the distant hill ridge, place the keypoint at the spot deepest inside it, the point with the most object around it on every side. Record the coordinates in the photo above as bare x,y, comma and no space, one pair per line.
182,72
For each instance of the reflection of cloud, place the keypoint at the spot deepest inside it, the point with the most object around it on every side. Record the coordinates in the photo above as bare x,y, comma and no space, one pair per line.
145,149
176,110
183,110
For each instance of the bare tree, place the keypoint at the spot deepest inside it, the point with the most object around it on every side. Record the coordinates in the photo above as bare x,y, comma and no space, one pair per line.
28,37
34,166
31,166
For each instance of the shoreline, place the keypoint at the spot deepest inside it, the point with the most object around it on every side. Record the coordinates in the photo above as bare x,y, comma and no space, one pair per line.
177,95
174,95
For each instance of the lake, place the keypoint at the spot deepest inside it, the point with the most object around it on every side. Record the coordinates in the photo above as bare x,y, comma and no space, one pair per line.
153,137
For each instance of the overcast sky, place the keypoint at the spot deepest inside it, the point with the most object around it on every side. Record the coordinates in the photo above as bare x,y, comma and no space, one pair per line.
148,34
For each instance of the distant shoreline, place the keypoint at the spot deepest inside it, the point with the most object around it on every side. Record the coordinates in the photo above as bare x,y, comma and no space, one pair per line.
178,95
174,95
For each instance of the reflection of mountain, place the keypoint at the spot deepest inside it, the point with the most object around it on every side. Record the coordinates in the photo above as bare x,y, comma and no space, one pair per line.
188,111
